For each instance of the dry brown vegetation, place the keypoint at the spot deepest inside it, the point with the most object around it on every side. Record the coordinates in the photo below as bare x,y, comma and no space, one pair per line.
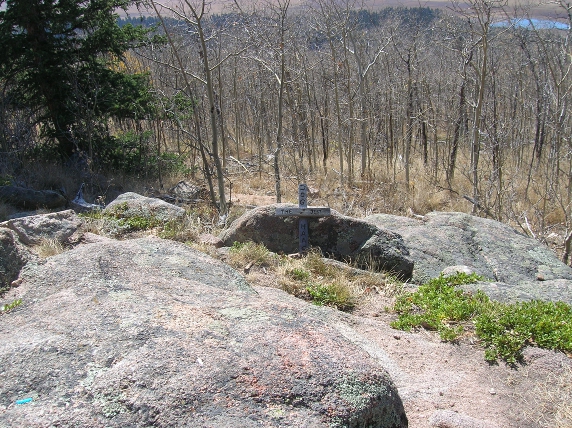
49,247
553,403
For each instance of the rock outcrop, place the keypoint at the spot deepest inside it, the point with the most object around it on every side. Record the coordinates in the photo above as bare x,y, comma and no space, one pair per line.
132,204
149,332
22,197
13,257
519,267
32,229
343,238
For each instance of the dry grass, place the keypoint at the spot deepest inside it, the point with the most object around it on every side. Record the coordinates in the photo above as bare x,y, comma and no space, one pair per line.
205,248
186,230
345,286
251,254
551,402
94,224
49,176
563,402
310,277
49,247
382,190
385,190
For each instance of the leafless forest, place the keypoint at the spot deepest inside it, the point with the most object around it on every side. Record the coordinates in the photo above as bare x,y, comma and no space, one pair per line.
408,107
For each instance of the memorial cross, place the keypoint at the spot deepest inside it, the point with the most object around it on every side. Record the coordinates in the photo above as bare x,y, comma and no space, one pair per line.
303,212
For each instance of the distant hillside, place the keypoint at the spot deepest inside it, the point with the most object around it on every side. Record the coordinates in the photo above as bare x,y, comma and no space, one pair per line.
541,11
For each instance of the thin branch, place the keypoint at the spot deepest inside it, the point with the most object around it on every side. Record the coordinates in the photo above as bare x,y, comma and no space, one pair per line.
230,55
171,66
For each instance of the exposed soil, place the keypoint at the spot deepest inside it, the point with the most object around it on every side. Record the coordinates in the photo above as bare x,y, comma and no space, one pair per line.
451,385
433,375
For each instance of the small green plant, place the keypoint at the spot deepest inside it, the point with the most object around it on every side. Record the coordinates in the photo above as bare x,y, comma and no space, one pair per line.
118,222
298,274
439,305
504,329
242,253
134,223
178,230
92,215
329,284
333,294
120,209
237,246
9,306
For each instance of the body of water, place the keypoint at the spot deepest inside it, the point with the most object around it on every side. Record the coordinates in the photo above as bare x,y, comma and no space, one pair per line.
539,24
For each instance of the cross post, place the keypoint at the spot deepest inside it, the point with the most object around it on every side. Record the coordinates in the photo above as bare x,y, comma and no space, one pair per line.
303,212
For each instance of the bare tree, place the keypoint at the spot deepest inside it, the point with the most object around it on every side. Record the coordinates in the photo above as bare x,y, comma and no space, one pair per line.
195,15
271,27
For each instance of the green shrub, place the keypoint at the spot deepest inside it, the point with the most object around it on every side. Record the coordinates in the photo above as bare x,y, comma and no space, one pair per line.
334,294
5,180
438,304
504,329
135,223
119,221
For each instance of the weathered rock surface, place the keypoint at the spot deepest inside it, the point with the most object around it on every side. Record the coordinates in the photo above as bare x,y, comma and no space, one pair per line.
150,332
184,191
134,205
520,267
338,236
32,229
31,199
13,257
208,239
453,270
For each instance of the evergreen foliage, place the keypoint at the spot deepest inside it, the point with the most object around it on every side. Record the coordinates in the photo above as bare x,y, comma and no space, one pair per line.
63,59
